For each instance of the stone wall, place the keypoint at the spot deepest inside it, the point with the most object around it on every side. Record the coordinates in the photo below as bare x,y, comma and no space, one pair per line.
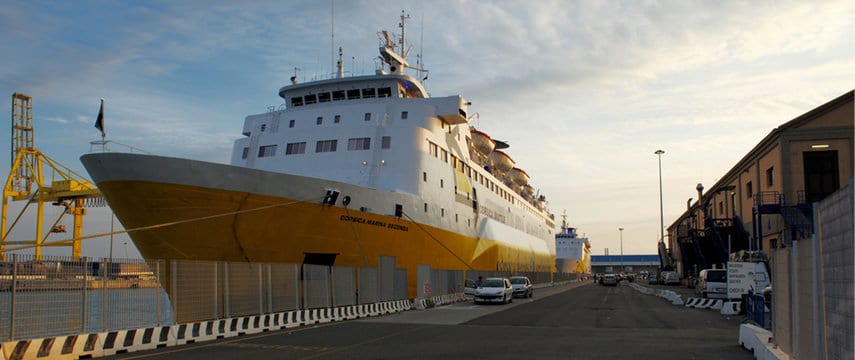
835,222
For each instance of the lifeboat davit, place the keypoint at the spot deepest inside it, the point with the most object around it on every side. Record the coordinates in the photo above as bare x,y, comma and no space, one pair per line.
501,160
518,176
482,142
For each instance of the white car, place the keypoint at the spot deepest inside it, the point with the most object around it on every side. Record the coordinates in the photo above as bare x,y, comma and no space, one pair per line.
495,290
522,286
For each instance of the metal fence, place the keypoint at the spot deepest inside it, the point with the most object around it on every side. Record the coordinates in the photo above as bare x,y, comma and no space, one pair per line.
61,296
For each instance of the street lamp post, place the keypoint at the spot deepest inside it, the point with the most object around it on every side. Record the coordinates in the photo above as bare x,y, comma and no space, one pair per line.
661,217
621,249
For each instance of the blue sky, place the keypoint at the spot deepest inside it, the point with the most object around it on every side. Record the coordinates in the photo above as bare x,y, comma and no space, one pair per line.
584,91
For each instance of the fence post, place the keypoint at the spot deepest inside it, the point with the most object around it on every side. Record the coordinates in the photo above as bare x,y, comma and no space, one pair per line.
269,289
104,294
260,290
159,288
173,273
83,297
226,302
13,289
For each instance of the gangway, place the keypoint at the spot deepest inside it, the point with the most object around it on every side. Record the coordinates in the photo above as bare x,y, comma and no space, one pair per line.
27,182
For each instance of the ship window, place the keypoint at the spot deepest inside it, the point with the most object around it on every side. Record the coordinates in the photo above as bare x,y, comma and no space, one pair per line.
297,101
326,146
368,93
424,176
320,120
353,94
311,99
425,207
358,144
433,149
338,95
295,148
442,212
384,92
367,116
456,218
386,142
245,153
291,123
337,119
441,183
324,97
267,151
404,115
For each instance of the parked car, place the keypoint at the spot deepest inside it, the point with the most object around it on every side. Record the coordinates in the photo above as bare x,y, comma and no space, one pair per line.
653,279
609,280
495,290
522,286
712,283
469,287
670,278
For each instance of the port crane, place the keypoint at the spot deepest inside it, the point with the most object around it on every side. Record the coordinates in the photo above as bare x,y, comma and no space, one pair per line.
28,182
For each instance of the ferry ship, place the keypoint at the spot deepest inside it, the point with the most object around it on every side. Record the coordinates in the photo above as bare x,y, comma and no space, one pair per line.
349,170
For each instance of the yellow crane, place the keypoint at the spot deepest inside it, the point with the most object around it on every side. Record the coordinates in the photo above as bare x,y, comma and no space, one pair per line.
27,181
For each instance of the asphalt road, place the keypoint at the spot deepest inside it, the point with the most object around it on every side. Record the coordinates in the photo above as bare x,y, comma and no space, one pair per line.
578,321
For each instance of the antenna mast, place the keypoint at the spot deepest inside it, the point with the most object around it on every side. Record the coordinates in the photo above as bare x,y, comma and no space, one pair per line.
401,25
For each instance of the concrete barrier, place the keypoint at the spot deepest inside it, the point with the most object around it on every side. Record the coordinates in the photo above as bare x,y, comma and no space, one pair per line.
731,308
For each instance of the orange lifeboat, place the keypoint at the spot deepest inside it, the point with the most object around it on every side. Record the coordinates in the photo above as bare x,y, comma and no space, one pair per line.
482,142
501,160
518,176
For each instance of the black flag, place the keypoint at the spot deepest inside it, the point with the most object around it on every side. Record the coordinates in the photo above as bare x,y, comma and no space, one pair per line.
99,123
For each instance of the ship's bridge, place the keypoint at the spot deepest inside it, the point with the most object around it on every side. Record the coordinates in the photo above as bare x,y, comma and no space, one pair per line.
352,88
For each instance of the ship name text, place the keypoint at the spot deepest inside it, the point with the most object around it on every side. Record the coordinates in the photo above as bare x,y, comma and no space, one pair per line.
361,220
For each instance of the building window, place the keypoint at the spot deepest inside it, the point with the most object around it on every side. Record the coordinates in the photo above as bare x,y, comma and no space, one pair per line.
442,212
291,123
320,120
245,153
749,190
386,142
424,176
295,148
367,116
720,208
267,151
326,146
441,183
337,119
358,144
404,115
770,176
425,207
445,156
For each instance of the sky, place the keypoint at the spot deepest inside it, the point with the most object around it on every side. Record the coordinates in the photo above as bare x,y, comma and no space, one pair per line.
584,91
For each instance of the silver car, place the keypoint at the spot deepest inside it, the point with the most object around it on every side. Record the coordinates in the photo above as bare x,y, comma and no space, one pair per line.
522,286
495,290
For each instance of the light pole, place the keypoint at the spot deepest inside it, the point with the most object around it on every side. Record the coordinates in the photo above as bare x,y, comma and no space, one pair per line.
661,216
621,249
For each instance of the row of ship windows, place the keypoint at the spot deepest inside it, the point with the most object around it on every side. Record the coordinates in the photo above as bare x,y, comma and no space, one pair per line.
353,144
368,93
442,154
337,119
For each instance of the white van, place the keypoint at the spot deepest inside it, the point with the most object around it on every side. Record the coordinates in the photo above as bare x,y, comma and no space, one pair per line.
712,283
